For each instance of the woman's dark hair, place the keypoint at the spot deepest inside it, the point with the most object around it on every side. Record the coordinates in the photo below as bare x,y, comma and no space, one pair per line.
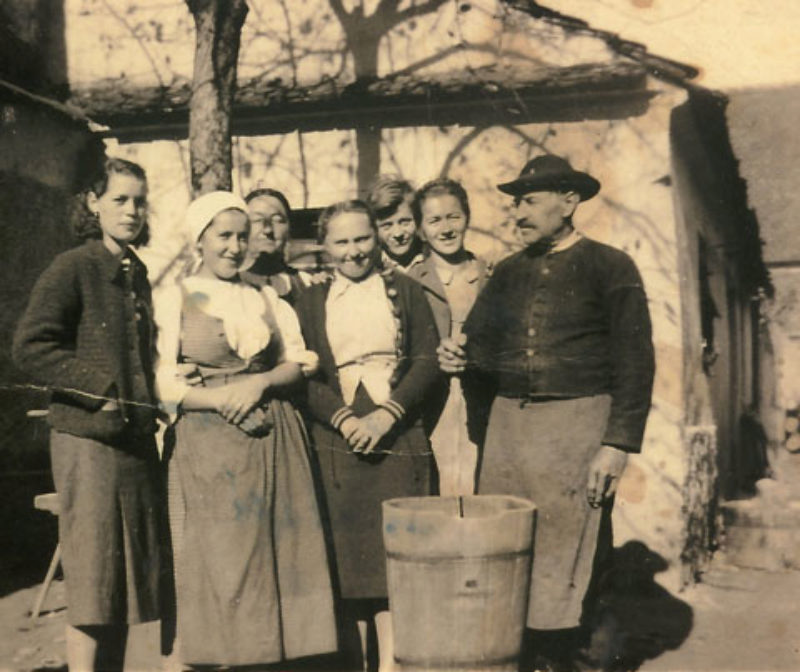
442,186
85,224
341,208
273,193
387,194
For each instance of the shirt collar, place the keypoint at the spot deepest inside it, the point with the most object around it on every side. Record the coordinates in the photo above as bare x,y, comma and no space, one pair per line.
342,284
469,269
567,242
388,262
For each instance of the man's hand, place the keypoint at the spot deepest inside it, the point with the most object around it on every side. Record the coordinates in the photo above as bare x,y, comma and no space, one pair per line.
452,357
604,474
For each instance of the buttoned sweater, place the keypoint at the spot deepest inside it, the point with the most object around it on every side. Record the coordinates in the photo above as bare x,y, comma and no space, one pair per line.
564,324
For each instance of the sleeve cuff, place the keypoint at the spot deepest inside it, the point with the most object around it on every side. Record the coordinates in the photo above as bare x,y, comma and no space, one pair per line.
621,443
340,416
394,408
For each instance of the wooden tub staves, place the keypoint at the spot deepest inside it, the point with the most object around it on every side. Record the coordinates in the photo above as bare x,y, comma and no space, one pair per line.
458,573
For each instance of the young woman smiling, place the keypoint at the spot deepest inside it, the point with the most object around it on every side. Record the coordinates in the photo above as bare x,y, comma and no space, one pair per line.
376,340
451,277
251,576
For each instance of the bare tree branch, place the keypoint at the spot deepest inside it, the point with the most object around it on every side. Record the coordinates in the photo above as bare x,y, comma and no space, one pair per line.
392,156
341,12
301,148
289,41
539,144
418,10
458,148
442,54
138,39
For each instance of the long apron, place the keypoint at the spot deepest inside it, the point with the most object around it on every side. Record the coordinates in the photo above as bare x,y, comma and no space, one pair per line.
251,574
252,579
455,452
542,451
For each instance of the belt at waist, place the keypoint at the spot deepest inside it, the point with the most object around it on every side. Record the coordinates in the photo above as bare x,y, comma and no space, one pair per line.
387,356
205,376
528,399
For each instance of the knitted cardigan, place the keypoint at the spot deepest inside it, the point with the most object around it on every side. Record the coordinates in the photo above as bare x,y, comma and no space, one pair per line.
417,371
78,336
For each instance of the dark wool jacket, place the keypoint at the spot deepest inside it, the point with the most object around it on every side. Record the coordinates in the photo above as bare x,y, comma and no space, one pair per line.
275,272
417,372
80,336
566,324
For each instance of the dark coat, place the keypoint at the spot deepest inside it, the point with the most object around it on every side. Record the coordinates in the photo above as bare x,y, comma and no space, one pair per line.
80,337
568,324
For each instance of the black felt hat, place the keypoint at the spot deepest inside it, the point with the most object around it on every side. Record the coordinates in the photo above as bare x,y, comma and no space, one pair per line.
551,173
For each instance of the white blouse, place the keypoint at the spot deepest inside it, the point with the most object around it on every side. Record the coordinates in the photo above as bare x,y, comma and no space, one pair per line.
243,311
362,334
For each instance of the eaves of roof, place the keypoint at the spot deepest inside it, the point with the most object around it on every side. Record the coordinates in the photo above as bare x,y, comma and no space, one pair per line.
502,94
665,69
610,90
73,113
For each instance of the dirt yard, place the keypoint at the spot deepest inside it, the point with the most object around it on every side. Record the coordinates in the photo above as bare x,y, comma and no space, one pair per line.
737,620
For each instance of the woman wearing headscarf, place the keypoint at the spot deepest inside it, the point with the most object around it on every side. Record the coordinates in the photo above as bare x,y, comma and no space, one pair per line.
251,575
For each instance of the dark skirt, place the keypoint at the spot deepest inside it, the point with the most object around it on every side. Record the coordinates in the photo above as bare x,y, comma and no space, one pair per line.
542,452
110,527
252,579
354,487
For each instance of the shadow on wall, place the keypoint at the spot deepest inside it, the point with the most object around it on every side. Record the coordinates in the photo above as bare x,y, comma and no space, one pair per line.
636,619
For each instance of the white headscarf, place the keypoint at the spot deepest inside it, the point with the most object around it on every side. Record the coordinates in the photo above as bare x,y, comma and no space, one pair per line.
203,209
241,308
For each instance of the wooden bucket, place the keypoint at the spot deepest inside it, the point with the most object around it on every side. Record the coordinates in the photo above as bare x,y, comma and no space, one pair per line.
458,573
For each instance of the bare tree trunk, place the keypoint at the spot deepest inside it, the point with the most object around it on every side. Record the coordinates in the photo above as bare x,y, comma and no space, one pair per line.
218,24
368,150
364,47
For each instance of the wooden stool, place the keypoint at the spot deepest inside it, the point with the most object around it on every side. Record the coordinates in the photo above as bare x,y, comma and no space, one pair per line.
47,502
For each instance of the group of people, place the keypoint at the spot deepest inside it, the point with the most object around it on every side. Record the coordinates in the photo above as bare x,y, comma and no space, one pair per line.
296,404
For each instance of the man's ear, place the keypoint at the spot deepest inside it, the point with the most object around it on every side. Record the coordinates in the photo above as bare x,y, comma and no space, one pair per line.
571,200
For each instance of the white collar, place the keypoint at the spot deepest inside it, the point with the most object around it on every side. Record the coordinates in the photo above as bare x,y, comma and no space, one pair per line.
448,272
567,242
341,283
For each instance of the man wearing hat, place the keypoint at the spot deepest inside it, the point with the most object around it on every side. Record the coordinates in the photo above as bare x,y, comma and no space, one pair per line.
562,333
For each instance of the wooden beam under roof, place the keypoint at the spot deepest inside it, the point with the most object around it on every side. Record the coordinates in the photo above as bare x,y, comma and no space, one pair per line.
478,97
